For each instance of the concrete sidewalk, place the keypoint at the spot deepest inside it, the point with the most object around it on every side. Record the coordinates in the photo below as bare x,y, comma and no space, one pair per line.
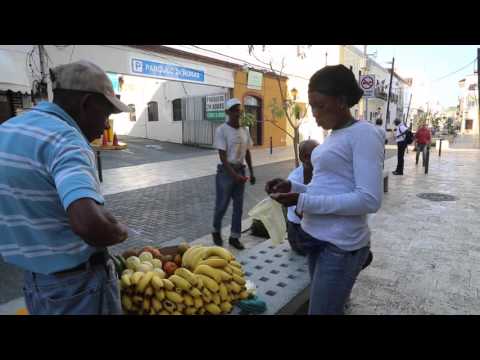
426,253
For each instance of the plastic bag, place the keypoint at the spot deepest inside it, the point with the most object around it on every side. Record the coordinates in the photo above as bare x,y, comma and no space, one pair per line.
270,213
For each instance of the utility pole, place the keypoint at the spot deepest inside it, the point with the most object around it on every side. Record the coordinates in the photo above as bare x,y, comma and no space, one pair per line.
408,109
43,84
365,69
389,93
326,58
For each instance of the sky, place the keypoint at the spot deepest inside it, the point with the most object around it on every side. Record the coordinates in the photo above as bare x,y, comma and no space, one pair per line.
427,63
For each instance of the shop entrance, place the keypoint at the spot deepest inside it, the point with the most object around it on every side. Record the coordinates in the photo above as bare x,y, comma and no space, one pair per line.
253,105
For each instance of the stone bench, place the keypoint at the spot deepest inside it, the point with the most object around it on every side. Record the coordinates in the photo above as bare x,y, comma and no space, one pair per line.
280,275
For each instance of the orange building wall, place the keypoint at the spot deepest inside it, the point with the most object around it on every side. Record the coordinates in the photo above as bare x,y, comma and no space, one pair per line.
269,91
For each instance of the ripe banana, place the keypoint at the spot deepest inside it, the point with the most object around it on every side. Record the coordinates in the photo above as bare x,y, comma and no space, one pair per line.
157,283
214,262
168,284
187,275
156,304
137,300
191,255
179,291
223,292
181,307
216,299
238,279
237,271
201,311
144,281
188,300
177,313
213,309
209,283
190,310
228,269
206,292
149,291
235,264
187,255
226,307
126,281
206,299
164,312
180,282
135,278
225,275
198,256
195,292
127,302
208,271
174,297
198,302
160,295
199,282
146,305
234,287
168,305
219,251
152,311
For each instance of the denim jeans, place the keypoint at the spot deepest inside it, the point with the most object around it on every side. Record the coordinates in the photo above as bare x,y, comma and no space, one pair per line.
227,189
94,291
333,273
423,149
402,146
293,231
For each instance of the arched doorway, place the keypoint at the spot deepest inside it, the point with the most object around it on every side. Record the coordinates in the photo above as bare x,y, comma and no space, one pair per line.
253,105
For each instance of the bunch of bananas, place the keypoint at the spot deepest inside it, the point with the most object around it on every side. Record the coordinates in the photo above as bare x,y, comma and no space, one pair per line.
209,282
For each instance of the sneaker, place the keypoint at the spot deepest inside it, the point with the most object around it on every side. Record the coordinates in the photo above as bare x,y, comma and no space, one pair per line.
217,239
236,243
396,173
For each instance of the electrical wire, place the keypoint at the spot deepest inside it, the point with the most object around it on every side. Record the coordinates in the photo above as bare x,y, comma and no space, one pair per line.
247,62
456,71
71,54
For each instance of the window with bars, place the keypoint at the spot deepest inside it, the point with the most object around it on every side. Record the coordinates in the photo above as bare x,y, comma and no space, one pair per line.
152,111
177,110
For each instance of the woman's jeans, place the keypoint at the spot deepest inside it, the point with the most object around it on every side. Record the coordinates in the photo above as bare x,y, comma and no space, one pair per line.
94,291
226,189
333,273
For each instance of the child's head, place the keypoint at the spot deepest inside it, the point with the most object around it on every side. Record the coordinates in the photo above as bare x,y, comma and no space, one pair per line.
305,151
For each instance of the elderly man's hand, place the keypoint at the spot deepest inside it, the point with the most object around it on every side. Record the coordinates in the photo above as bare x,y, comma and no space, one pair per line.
288,199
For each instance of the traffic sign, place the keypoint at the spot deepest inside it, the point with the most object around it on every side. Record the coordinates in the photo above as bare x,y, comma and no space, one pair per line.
367,84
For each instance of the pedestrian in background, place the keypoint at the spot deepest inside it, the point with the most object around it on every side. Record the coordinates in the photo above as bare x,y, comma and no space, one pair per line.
400,138
423,138
55,226
233,143
345,187
303,175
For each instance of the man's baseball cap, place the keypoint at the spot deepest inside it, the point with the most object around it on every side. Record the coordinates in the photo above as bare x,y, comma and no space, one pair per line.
86,76
231,103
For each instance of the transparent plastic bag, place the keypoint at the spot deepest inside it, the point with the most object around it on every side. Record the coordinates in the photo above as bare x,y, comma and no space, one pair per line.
270,213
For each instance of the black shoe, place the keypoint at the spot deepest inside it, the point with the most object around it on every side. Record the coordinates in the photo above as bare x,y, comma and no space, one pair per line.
236,243
396,173
217,239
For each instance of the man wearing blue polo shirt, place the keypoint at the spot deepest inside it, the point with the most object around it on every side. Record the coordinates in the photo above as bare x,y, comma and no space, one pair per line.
52,220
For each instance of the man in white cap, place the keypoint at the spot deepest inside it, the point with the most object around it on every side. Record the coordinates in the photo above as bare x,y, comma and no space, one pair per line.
53,223
233,142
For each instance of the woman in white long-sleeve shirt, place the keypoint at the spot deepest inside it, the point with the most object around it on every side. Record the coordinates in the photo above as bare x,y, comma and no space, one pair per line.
346,186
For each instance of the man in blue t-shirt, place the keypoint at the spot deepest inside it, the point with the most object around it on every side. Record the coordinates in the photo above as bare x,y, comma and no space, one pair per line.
53,223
